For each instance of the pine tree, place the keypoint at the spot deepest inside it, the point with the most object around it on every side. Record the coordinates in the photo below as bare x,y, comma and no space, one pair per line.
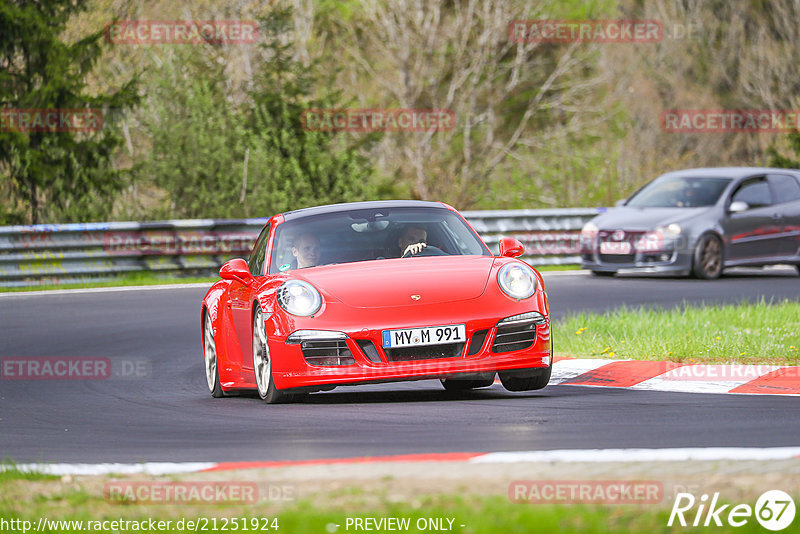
54,175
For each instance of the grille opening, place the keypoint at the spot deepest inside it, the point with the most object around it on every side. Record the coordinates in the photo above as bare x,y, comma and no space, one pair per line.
368,348
476,343
514,337
327,353
425,352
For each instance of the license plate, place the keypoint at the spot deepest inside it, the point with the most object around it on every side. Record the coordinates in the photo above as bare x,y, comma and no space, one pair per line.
615,247
427,335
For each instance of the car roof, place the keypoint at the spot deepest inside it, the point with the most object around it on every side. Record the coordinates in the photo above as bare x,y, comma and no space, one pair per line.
350,206
728,172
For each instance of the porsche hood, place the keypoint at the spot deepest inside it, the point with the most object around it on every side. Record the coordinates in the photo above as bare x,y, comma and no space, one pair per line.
398,282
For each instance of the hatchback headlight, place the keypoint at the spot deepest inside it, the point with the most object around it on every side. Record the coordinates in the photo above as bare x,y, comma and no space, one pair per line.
670,230
299,298
589,231
517,280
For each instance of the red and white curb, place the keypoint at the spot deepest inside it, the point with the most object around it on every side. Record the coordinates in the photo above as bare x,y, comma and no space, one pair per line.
564,455
678,377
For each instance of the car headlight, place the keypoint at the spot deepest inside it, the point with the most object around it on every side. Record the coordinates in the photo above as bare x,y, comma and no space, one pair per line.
299,298
589,231
670,230
517,280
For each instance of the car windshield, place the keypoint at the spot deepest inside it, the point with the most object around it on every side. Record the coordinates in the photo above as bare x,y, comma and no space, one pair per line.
370,234
679,192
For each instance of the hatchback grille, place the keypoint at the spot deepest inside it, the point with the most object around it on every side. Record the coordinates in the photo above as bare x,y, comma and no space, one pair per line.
617,258
334,352
513,337
425,352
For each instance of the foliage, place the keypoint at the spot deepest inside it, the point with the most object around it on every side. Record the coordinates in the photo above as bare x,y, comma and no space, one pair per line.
219,158
54,175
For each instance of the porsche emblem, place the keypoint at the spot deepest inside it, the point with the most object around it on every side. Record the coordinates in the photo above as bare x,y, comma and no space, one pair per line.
416,297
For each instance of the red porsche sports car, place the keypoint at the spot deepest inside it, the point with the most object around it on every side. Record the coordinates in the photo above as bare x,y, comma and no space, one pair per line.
371,292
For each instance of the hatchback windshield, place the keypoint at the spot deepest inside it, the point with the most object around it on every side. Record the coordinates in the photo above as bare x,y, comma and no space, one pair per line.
679,192
371,234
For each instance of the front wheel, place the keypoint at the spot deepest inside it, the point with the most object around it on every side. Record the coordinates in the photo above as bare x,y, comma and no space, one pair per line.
526,379
210,356
707,260
262,364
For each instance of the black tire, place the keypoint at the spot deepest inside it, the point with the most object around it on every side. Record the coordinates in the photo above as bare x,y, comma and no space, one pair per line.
210,358
604,273
707,259
461,384
526,379
262,365
798,268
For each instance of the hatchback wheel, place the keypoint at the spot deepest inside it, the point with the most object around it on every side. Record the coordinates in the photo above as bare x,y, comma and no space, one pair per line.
707,262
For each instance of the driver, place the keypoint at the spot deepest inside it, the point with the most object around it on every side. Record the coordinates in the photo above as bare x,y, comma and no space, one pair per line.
307,250
412,240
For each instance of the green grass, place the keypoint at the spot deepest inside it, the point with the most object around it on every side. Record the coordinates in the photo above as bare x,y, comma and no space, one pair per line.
9,471
747,333
131,279
567,267
469,514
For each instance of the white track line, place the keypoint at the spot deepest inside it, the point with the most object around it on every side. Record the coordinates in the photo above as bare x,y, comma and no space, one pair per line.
149,468
564,455
101,290
641,455
564,370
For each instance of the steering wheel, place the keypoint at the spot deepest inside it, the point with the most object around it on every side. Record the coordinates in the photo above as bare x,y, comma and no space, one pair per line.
429,250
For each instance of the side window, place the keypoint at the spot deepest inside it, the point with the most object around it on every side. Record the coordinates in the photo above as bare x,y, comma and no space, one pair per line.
256,261
784,187
755,193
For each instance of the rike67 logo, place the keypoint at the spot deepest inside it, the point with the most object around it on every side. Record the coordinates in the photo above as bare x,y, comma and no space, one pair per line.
774,510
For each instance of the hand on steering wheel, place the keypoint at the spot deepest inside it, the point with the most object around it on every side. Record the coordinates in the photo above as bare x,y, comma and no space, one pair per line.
411,250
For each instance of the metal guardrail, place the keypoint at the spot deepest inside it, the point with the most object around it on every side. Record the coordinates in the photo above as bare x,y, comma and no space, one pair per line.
66,253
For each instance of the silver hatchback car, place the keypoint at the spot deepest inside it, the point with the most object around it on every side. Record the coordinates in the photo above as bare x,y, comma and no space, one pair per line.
698,222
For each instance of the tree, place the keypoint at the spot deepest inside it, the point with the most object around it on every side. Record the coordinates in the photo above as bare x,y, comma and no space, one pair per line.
778,159
54,175
505,95
223,153
292,166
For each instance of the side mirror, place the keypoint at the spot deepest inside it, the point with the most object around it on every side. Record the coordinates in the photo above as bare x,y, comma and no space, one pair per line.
510,247
621,202
236,269
738,207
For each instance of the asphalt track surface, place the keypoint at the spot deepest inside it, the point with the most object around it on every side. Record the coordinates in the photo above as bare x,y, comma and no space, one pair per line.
169,416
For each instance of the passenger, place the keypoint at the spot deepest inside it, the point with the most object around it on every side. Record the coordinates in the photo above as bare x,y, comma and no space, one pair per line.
306,250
